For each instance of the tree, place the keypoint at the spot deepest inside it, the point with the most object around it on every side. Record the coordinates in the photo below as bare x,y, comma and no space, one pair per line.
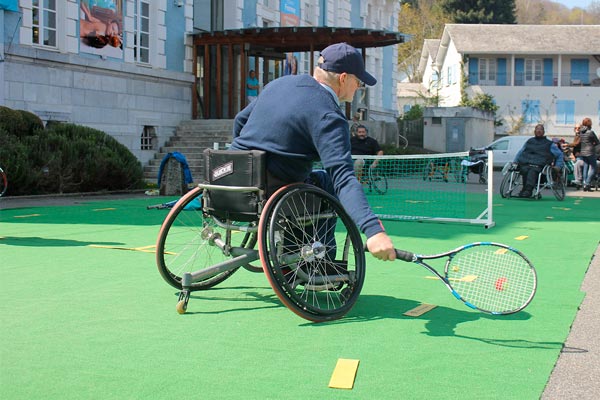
547,12
420,20
480,11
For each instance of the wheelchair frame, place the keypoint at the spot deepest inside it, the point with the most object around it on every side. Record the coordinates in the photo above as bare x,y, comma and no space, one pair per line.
513,180
309,248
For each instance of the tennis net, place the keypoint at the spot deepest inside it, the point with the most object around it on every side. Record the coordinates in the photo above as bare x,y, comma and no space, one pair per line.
450,187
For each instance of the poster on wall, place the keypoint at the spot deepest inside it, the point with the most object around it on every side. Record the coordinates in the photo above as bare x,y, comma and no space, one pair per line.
290,16
290,12
101,27
9,5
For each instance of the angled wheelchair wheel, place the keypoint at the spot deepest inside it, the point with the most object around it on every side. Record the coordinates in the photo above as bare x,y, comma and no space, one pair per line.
504,185
510,183
312,252
378,182
429,171
185,243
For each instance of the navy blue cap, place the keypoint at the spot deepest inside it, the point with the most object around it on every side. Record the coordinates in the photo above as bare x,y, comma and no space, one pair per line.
341,57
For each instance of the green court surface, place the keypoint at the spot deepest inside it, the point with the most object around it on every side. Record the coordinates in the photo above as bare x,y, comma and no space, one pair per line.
86,315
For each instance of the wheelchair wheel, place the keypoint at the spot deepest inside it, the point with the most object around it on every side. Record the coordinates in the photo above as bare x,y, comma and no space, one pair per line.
312,252
428,171
504,185
378,182
183,246
510,182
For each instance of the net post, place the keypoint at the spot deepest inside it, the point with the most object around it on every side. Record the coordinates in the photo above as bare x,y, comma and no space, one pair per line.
490,189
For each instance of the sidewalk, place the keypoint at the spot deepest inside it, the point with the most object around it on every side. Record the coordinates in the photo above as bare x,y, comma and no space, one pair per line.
575,375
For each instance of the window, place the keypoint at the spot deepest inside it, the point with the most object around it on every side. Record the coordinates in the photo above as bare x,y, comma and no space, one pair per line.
487,71
148,138
531,111
43,13
565,112
436,120
141,39
533,72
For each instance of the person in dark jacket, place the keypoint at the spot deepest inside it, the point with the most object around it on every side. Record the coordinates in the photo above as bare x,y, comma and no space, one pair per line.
533,156
364,145
297,120
588,140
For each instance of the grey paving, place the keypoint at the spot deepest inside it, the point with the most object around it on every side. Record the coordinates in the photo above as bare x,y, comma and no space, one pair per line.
576,374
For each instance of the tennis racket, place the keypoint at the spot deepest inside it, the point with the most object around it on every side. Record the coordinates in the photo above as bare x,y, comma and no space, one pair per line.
490,277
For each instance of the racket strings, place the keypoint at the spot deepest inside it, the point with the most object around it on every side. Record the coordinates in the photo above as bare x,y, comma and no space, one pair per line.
493,279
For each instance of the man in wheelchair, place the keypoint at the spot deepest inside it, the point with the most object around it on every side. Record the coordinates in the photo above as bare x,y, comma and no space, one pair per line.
364,145
536,153
297,120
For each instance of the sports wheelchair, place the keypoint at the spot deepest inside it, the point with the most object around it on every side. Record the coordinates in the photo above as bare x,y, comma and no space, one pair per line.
548,178
308,247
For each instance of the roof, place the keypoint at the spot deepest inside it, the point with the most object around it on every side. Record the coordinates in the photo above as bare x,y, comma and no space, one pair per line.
430,49
523,39
300,38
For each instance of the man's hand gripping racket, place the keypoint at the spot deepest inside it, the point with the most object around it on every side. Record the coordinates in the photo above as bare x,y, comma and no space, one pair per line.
490,277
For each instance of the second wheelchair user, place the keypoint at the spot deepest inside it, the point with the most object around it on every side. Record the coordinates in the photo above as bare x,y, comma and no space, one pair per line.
297,120
364,145
533,156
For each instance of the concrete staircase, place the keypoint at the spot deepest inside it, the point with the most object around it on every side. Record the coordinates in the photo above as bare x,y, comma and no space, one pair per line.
190,139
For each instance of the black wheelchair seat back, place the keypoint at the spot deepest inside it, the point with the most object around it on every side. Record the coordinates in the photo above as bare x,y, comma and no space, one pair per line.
240,169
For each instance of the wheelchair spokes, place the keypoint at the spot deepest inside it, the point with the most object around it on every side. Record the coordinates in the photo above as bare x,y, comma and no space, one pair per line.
311,274
548,178
188,242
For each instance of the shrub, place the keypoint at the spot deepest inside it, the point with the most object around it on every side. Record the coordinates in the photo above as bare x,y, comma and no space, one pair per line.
32,122
12,122
64,158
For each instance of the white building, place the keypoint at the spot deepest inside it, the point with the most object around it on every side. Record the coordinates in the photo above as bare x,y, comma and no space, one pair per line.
139,88
546,74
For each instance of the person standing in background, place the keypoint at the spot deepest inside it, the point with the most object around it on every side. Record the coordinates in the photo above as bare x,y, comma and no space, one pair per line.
252,86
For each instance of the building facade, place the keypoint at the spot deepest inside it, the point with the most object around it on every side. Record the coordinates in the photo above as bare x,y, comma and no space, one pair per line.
127,67
547,74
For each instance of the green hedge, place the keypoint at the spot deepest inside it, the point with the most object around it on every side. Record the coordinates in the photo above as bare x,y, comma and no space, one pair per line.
65,158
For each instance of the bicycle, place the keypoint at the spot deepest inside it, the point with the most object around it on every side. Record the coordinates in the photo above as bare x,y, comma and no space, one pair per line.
3,182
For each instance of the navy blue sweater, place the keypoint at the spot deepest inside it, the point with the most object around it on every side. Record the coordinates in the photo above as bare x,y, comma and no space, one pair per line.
297,121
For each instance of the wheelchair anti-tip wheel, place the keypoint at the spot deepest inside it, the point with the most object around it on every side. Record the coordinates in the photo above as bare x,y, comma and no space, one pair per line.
186,243
311,252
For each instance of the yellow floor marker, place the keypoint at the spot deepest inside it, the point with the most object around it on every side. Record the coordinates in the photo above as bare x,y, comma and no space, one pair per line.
344,374
521,237
420,310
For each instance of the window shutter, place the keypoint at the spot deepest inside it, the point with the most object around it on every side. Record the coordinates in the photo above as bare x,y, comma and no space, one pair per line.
519,71
548,78
501,78
473,71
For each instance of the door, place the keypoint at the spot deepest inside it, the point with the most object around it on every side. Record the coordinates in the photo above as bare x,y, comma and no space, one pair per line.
500,149
455,135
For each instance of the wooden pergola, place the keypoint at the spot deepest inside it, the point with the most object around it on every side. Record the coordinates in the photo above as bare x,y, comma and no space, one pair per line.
221,59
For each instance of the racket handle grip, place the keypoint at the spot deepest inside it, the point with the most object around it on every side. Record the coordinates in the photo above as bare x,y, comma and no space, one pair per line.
404,255
400,254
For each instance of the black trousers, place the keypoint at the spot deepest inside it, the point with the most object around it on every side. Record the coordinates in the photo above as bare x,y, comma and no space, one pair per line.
530,174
